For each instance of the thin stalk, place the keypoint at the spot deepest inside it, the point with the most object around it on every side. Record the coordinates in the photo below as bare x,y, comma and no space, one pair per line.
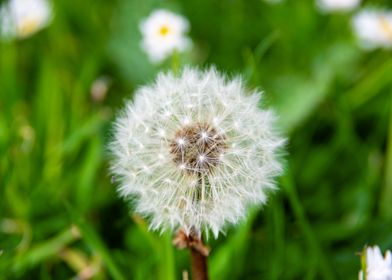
199,253
387,190
299,212
199,265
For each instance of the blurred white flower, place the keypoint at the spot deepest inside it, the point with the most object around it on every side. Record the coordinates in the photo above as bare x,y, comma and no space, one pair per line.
337,5
374,28
163,33
273,1
377,266
23,18
195,152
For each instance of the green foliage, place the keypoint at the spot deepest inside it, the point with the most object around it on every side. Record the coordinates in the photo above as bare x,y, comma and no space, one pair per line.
59,213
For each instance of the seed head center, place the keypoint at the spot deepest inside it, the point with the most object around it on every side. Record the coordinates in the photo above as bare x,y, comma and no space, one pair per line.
197,148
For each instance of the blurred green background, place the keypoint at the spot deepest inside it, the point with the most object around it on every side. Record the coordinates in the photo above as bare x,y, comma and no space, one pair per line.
60,217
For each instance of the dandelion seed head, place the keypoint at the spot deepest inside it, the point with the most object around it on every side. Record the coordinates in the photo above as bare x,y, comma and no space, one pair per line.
206,172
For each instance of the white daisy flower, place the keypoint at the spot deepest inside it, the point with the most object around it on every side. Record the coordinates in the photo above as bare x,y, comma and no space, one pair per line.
377,266
337,5
163,33
23,18
273,1
195,152
374,28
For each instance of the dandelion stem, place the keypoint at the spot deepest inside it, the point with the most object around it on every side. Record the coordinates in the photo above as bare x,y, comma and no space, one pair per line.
199,253
199,265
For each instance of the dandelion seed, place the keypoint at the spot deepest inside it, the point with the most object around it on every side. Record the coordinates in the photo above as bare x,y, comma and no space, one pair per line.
377,266
212,172
23,18
374,28
180,141
337,5
164,33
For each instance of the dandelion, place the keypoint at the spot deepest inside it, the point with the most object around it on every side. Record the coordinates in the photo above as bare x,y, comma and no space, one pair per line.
23,18
195,152
376,266
164,33
337,5
374,28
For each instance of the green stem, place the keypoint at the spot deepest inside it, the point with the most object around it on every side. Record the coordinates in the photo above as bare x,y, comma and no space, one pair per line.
175,62
299,212
371,85
386,197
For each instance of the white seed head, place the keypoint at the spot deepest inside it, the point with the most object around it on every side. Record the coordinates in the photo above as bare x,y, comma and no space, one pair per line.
23,18
374,28
163,33
206,172
337,5
377,266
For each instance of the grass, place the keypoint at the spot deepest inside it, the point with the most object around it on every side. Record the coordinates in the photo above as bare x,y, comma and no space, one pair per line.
59,213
